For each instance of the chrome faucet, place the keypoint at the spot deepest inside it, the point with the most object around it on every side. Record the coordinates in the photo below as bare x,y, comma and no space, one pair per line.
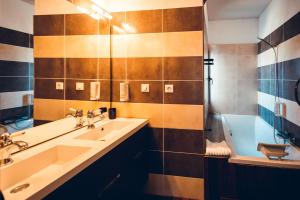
78,115
90,119
6,144
91,114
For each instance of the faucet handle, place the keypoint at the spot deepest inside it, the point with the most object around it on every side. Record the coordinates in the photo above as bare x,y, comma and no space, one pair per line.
5,139
90,114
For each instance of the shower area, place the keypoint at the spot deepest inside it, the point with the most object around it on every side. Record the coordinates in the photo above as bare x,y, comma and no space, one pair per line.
255,72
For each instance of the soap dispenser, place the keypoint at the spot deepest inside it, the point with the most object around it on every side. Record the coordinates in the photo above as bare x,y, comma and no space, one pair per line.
124,92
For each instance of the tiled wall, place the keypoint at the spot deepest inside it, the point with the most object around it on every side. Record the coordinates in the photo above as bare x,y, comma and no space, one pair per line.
234,86
167,48
284,35
16,61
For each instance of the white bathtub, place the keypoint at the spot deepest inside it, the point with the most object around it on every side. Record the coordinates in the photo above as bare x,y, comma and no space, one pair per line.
244,132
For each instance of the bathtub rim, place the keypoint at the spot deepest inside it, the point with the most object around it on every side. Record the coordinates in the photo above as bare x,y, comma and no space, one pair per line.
251,160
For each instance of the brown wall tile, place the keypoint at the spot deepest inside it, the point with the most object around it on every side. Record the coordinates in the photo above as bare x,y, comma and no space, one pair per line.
144,68
104,68
81,24
183,19
154,96
49,67
83,68
46,89
179,164
181,140
185,92
183,68
118,19
46,25
119,68
147,21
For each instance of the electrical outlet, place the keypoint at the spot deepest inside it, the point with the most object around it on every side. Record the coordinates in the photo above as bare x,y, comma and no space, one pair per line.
59,85
145,88
169,88
79,86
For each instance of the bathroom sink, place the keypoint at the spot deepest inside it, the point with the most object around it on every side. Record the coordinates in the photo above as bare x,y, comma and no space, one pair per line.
46,161
105,131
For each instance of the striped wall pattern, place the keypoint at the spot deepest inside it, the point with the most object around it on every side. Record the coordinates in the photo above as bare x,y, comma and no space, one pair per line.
286,38
167,48
16,74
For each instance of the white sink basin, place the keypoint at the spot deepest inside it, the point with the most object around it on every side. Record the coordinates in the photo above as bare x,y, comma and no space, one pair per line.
52,158
105,131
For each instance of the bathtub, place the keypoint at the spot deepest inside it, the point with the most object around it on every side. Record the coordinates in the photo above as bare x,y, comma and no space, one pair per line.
244,132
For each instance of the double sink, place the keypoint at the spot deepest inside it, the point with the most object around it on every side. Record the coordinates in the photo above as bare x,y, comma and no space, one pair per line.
61,156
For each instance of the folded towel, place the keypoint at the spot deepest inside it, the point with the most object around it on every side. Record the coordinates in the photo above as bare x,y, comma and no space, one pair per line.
217,149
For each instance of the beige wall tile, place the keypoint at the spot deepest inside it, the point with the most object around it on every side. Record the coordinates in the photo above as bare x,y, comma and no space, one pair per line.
15,53
49,46
85,105
153,112
183,43
46,7
145,45
183,116
48,109
176,186
15,99
130,5
84,46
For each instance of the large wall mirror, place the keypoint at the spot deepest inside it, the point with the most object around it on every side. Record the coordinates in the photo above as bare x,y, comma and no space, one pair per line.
51,59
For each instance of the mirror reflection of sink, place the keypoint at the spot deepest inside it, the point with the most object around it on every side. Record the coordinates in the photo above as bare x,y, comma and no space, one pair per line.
102,133
53,158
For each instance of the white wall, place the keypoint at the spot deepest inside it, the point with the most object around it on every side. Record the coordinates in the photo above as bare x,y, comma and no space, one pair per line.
239,31
277,12
17,15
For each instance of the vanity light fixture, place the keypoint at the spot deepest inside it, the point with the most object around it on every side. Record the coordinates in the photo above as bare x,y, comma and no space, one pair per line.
128,28
92,8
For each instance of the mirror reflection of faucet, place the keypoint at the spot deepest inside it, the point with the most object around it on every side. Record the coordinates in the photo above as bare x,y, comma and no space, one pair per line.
6,144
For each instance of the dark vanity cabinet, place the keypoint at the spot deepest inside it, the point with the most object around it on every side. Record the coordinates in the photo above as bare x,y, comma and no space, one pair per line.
120,174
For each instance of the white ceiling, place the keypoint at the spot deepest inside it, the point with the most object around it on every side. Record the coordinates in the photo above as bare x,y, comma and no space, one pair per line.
235,9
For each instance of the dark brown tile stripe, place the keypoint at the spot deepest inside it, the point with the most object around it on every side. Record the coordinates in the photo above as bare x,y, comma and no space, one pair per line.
183,19
49,67
185,92
144,68
148,21
118,68
90,25
183,68
145,21
283,33
46,89
14,37
188,141
85,68
179,164
49,25
12,68
13,84
15,113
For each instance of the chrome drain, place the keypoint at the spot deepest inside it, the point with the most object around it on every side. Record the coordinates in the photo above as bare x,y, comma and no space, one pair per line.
20,188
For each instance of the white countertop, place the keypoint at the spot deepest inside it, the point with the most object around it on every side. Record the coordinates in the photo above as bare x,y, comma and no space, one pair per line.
49,178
